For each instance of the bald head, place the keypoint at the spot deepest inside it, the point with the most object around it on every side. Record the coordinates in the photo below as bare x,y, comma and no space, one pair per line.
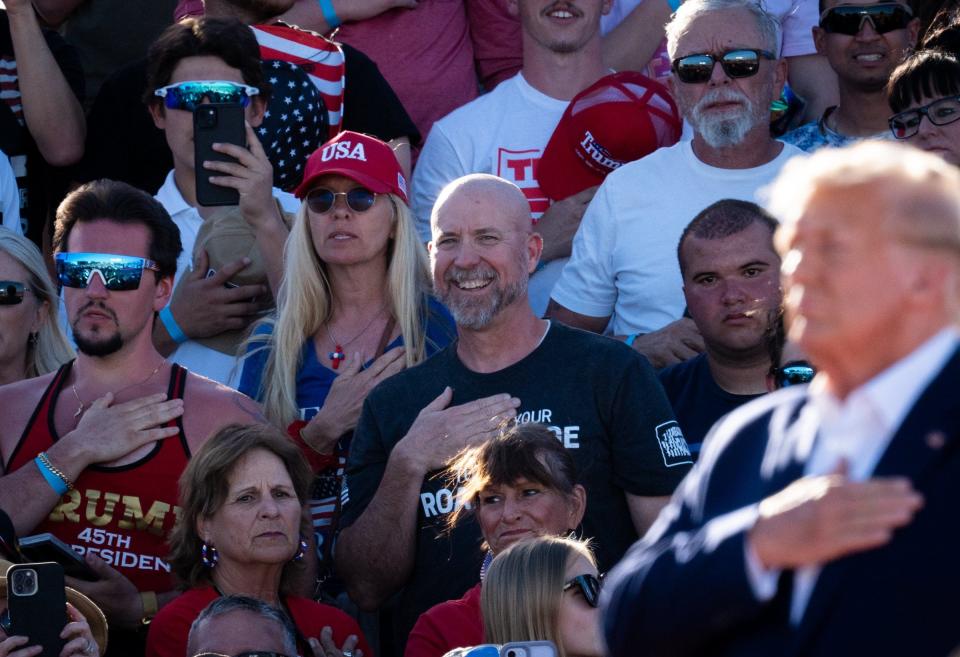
494,196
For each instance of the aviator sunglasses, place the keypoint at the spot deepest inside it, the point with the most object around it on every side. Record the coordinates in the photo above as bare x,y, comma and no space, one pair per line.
589,587
848,19
358,199
119,273
191,94
940,112
11,292
793,373
738,63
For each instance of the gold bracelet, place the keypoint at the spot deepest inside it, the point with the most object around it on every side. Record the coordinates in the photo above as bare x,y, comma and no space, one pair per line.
150,606
55,470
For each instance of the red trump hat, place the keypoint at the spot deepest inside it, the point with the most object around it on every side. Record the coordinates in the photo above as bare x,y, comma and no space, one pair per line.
618,119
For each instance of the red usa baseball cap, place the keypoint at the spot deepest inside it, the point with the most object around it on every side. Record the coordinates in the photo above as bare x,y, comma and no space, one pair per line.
362,158
618,119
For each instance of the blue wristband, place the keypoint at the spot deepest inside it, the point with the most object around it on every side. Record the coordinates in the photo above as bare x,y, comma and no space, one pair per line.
58,485
329,15
674,4
169,323
630,339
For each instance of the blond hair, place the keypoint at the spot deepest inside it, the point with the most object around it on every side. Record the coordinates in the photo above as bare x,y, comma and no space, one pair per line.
304,304
50,349
521,593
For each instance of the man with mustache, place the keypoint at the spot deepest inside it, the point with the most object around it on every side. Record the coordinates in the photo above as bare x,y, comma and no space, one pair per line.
623,277
600,398
863,43
506,131
731,283
92,453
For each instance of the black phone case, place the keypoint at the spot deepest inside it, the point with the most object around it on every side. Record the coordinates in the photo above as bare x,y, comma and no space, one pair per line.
216,123
41,615
47,547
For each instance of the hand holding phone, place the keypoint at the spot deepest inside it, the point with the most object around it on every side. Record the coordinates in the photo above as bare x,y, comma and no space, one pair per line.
216,123
37,605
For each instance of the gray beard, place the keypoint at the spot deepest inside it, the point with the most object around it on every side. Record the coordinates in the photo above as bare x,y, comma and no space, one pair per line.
478,313
723,131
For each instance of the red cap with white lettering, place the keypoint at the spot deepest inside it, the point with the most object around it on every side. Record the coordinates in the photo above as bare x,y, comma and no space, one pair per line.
362,158
618,119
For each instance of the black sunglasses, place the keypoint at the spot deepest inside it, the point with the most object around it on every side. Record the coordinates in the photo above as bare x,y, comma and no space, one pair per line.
739,63
848,19
11,292
940,112
792,374
358,199
589,588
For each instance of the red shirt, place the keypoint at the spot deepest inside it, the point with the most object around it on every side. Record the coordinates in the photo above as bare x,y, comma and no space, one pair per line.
448,625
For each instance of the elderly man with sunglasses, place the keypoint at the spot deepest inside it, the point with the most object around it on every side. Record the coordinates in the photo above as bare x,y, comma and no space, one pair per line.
821,519
623,276
863,43
92,452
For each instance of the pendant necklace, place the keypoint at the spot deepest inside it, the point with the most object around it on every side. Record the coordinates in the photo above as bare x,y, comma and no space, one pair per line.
338,355
82,407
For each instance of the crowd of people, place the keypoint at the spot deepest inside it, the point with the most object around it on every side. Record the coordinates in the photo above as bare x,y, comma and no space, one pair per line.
498,297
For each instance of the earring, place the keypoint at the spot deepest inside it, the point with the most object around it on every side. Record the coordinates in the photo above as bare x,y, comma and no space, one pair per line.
302,550
209,556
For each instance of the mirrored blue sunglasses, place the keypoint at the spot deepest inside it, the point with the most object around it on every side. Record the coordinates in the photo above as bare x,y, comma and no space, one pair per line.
119,273
191,94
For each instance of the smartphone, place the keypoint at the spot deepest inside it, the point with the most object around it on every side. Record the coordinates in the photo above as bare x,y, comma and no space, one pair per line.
216,123
47,547
37,605
528,649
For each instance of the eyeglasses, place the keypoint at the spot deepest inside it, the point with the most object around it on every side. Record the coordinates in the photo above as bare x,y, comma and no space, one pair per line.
119,273
740,63
189,95
792,374
940,112
358,199
848,19
589,587
11,292
254,653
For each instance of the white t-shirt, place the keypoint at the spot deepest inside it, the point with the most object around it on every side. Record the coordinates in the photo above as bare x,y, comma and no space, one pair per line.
796,18
504,133
9,196
196,357
624,260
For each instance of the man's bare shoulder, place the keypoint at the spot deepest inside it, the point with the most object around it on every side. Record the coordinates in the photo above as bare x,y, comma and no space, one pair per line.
209,405
18,401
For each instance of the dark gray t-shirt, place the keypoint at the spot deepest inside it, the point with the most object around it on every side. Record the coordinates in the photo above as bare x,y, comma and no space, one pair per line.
601,398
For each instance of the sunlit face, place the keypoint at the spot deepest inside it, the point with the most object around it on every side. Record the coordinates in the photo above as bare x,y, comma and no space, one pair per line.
844,277
865,61
724,110
103,320
177,124
18,321
343,236
942,140
732,288
561,26
481,258
260,518
511,512
578,623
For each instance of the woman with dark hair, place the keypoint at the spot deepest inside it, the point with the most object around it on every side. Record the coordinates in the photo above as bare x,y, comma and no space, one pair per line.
240,532
519,485
545,589
924,93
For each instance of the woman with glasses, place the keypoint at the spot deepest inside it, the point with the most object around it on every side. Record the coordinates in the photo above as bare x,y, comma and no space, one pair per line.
519,485
924,93
354,308
545,589
241,532
31,341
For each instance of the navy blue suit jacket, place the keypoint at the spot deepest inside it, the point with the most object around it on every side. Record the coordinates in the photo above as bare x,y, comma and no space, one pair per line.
683,589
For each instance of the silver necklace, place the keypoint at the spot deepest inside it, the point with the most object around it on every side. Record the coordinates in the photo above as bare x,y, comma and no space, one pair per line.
82,407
